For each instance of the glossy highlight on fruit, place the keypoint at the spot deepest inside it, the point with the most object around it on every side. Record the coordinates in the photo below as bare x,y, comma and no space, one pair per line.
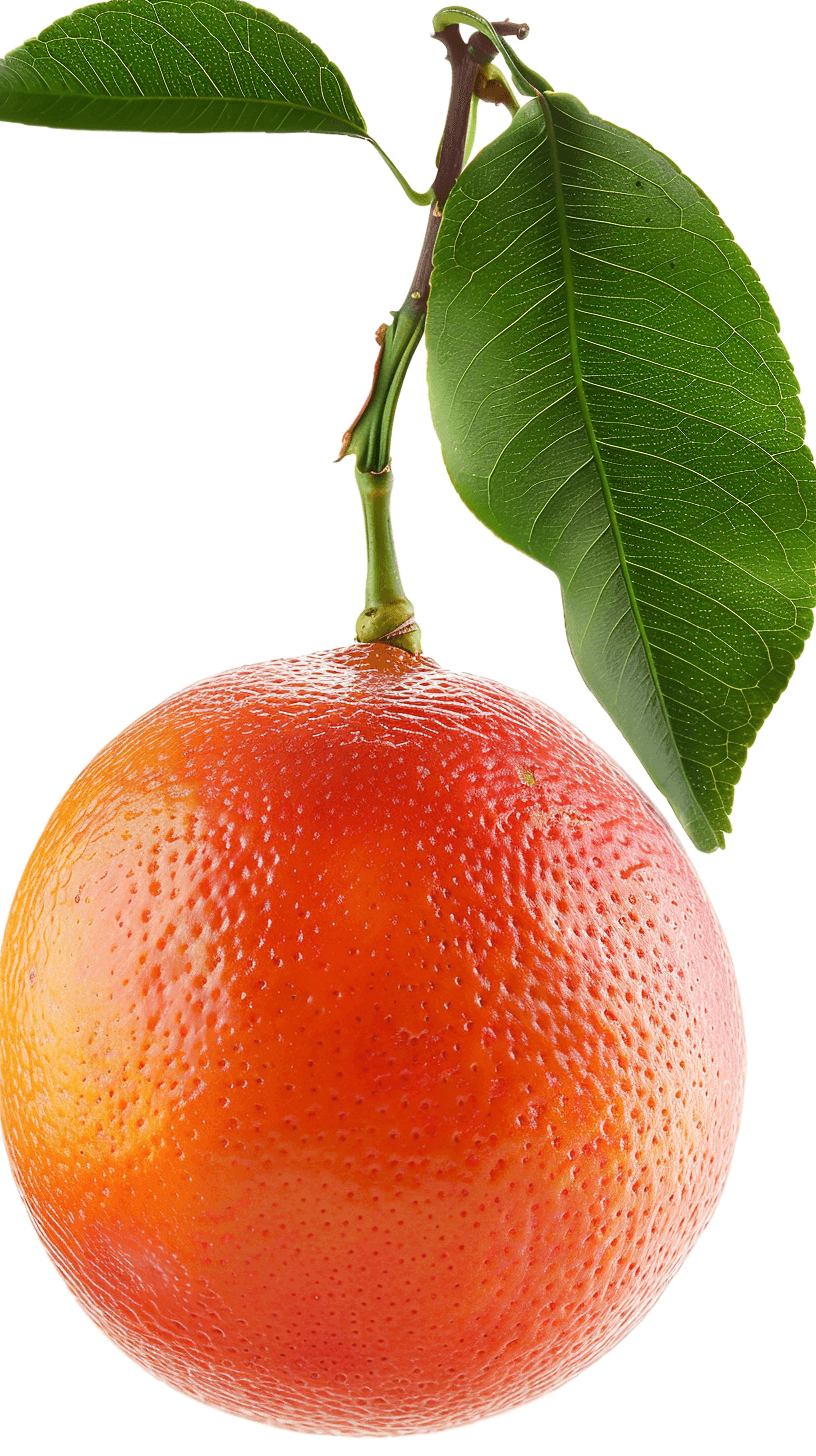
372,1055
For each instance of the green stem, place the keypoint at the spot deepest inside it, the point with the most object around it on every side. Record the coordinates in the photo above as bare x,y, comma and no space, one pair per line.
369,438
388,615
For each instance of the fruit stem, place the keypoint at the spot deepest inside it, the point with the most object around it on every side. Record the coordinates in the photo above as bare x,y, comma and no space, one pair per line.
369,438
388,615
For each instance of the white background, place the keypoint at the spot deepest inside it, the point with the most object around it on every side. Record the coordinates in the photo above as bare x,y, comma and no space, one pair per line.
187,328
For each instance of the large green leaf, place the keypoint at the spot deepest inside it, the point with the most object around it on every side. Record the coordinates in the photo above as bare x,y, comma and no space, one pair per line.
612,397
176,65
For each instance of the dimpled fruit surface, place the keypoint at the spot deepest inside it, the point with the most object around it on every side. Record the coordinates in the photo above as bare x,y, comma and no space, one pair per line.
372,1056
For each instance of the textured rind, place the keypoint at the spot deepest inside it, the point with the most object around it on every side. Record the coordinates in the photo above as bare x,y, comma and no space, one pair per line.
372,1056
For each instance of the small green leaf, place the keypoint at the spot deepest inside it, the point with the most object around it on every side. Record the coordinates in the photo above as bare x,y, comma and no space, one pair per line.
612,397
176,65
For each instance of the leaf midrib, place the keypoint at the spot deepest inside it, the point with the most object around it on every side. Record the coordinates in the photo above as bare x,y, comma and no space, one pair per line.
569,295
183,100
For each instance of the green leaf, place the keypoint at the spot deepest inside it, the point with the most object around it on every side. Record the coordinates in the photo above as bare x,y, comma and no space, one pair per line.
612,397
176,65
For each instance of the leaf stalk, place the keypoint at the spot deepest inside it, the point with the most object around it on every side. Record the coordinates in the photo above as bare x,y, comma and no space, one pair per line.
421,199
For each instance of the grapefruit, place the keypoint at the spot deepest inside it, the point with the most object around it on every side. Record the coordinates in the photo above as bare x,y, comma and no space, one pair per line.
372,1056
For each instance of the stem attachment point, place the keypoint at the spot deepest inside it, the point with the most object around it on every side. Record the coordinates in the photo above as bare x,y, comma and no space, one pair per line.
388,616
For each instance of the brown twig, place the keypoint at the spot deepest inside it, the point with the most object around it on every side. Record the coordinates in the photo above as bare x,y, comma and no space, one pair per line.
464,66
369,438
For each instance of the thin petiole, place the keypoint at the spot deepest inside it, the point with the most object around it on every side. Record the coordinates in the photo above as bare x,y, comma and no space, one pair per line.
471,131
422,199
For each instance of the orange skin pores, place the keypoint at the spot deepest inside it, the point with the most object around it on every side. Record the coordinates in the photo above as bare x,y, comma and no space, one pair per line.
372,1056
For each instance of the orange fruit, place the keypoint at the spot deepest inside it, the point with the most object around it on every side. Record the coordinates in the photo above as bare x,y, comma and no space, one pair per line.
372,1054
